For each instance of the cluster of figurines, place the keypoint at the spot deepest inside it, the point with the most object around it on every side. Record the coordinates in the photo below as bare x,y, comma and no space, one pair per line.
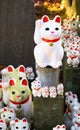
72,114
46,91
71,41
16,105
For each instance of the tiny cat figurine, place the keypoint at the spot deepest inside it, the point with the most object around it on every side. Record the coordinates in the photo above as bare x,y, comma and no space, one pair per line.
73,57
7,114
70,100
60,127
29,73
36,88
60,89
53,92
45,91
3,125
11,72
20,98
76,122
47,36
18,124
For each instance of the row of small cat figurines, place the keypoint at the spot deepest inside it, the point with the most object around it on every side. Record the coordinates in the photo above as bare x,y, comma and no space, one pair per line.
46,91
15,94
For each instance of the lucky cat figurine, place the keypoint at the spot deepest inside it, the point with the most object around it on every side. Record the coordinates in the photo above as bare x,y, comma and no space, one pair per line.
47,36
3,125
18,124
7,114
20,98
76,122
29,73
70,100
60,127
1,96
11,72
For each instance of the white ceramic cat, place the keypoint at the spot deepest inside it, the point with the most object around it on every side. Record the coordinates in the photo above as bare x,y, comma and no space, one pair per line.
45,91
20,98
18,124
76,123
53,92
60,127
47,36
60,89
1,96
36,88
7,114
3,125
29,73
11,72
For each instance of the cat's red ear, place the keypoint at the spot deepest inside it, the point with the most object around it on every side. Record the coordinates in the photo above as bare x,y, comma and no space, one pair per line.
1,85
63,126
5,109
10,68
45,18
21,68
1,120
57,19
24,120
12,82
24,82
58,126
16,120
11,111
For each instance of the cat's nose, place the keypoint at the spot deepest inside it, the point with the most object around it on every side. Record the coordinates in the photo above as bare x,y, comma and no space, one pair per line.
18,96
52,32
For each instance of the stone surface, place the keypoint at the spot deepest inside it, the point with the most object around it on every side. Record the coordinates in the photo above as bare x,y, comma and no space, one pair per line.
48,112
48,76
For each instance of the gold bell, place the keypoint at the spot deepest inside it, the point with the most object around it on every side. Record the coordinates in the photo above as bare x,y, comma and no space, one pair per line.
51,44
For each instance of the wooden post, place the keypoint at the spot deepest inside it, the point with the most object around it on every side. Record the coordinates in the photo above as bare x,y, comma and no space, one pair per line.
17,21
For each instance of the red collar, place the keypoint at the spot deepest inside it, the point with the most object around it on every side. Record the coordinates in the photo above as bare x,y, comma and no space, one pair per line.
29,72
72,57
22,102
68,110
36,89
48,40
78,124
66,36
0,99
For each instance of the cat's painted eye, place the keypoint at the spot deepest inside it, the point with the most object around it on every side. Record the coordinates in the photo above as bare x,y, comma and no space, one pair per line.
3,115
70,101
13,92
20,78
24,127
0,128
23,92
56,28
74,24
10,117
17,127
47,29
